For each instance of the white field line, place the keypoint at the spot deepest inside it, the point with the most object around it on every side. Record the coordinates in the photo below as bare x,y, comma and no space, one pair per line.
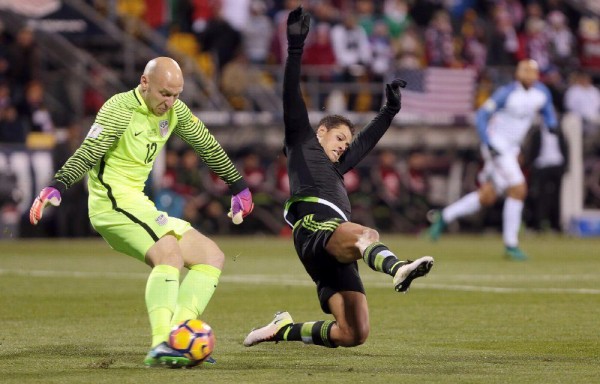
370,282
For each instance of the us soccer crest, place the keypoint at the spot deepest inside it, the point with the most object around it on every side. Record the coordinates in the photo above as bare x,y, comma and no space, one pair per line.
163,127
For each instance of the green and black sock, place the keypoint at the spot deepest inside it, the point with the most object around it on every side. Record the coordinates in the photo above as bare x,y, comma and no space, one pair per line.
379,258
312,332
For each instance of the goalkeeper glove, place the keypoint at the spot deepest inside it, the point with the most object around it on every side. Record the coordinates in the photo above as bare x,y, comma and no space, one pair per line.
241,206
393,95
298,24
48,195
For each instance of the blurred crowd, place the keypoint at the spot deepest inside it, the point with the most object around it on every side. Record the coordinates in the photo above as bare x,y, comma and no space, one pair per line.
242,42
354,40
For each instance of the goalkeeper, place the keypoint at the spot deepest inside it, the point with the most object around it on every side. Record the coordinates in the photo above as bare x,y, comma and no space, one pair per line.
326,241
117,154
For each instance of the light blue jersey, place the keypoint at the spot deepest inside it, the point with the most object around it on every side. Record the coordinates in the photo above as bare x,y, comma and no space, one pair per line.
505,118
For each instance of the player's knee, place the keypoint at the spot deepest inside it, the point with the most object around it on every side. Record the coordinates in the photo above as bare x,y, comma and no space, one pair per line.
367,236
361,334
518,192
354,336
487,195
371,235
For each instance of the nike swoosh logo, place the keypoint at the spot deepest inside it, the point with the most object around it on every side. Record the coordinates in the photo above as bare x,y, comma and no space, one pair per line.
137,133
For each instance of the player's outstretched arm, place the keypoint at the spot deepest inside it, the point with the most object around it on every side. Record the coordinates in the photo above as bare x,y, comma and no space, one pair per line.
295,115
368,137
48,195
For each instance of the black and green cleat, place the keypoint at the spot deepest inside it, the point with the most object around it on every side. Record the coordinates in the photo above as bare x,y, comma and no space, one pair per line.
163,355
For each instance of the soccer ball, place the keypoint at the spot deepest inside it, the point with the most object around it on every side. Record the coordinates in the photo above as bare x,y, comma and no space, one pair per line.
194,338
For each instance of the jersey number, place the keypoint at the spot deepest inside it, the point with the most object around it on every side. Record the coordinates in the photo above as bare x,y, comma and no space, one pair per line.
151,151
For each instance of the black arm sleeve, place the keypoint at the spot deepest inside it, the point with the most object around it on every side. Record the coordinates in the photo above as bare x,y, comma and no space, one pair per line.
295,116
366,139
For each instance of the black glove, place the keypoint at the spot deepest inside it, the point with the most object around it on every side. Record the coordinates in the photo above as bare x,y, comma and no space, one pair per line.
393,95
298,24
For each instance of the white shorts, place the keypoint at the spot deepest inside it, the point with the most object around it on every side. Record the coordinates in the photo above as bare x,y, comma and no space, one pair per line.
502,170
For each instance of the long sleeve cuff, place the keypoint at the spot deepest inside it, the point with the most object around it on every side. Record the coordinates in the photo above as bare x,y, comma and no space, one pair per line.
238,186
60,186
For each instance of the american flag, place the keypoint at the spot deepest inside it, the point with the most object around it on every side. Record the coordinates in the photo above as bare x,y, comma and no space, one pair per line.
438,90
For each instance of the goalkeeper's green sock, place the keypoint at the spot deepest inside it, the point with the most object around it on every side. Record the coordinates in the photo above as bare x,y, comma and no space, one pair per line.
311,332
161,297
381,259
195,292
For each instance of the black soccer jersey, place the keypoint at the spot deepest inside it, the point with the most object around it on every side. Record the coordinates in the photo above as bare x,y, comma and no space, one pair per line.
316,183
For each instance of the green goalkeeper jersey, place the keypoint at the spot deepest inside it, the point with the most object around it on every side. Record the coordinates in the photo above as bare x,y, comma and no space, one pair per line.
122,144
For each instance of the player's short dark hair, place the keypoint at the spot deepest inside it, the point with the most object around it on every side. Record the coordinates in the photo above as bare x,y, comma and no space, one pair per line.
333,121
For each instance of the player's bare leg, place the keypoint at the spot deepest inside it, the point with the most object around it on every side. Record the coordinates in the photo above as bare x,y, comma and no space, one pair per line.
351,241
351,313
350,328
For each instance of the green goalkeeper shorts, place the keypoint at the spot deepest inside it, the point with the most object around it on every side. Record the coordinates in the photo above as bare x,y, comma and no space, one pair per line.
134,230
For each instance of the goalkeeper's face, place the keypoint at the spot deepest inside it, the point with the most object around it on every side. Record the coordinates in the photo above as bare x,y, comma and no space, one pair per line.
335,141
161,84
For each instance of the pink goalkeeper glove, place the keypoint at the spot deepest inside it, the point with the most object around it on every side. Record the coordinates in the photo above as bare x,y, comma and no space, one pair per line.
241,206
48,195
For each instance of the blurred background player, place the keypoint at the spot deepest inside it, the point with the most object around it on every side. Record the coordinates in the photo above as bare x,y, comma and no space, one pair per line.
502,124
326,241
117,155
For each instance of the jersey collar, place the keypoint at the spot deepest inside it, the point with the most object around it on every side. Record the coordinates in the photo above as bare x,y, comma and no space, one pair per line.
143,107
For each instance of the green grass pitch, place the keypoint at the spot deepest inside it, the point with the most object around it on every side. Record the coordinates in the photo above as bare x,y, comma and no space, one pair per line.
73,312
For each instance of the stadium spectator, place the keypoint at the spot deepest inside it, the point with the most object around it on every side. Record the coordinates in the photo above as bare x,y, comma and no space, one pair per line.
117,155
236,13
583,99
33,110
352,54
547,155
365,15
395,14
439,43
258,33
534,43
202,12
93,95
71,220
320,58
24,61
382,60
12,128
327,243
503,42
389,194
502,123
410,51
589,43
156,15
264,219
563,46
473,52
238,78
220,39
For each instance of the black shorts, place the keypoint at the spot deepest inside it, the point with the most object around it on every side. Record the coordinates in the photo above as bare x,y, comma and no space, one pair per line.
311,235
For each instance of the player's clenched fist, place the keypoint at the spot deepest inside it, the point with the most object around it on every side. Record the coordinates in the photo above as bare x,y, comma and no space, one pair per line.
393,95
241,206
298,24
48,195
